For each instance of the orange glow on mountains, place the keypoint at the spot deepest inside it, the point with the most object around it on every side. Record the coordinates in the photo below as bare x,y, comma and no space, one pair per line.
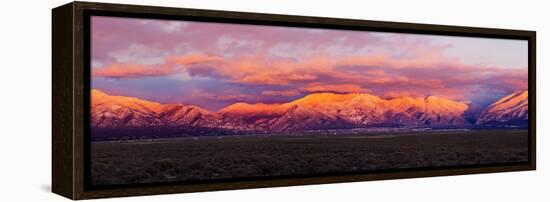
101,98
314,111
313,100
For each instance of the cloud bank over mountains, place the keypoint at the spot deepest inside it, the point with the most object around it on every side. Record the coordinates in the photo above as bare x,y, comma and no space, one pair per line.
220,64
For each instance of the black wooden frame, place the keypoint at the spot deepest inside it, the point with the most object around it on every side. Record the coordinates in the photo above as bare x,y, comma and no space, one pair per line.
71,84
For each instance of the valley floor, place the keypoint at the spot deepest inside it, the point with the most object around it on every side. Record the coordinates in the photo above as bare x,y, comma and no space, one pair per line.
205,158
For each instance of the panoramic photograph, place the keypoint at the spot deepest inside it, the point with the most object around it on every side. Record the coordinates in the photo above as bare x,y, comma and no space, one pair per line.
188,101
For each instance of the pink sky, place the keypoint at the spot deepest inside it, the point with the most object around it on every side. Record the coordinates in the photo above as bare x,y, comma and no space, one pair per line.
213,65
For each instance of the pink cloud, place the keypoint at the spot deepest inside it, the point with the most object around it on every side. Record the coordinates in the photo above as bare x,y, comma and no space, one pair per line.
167,68
376,72
283,61
320,74
193,59
132,71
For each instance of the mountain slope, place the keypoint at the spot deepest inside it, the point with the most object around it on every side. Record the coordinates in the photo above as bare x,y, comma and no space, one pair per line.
510,110
334,111
118,111
365,109
187,115
312,112
109,111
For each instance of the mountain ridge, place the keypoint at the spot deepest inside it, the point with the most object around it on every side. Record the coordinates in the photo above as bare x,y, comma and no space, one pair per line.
311,112
509,109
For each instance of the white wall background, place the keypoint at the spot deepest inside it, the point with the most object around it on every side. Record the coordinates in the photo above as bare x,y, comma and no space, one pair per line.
25,102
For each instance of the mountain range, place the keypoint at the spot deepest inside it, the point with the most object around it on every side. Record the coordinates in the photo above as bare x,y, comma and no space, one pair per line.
315,111
512,110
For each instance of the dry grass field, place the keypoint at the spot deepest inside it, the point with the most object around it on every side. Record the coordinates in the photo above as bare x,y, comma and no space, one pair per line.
205,158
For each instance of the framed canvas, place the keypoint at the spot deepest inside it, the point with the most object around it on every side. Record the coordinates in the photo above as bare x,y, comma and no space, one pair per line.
155,100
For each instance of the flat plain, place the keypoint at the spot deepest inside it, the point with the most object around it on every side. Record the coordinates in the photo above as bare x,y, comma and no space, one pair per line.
224,157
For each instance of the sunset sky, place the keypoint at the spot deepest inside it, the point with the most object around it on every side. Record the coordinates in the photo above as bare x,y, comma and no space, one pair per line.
213,65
